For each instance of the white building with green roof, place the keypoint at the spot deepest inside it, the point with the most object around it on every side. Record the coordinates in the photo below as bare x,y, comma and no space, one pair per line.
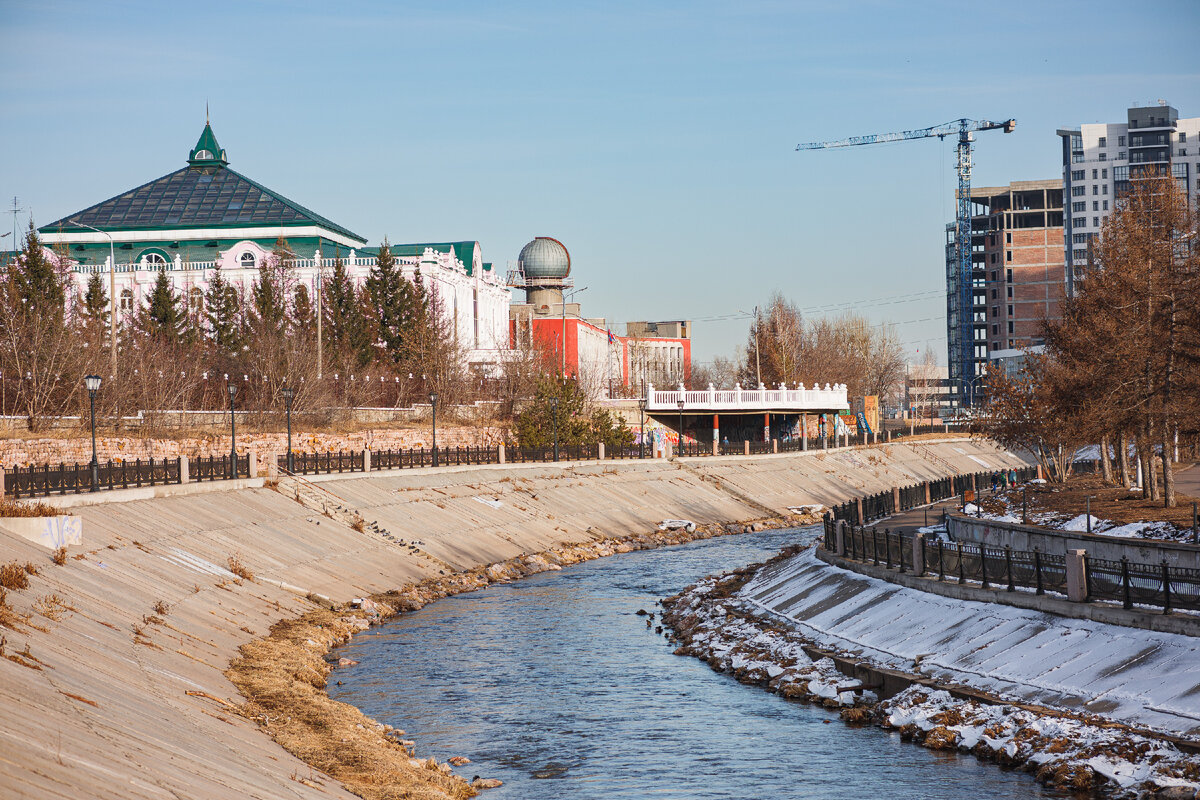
206,215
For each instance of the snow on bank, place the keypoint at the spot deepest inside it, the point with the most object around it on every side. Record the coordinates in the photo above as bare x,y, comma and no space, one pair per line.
1139,677
715,623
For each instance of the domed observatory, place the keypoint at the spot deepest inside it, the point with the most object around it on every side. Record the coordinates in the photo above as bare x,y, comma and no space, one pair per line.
544,267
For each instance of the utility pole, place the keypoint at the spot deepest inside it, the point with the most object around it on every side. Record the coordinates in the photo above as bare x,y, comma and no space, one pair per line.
112,293
15,210
320,314
757,350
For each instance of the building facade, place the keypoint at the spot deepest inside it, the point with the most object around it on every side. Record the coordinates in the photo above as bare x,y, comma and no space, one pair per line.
206,216
606,364
1100,159
1016,277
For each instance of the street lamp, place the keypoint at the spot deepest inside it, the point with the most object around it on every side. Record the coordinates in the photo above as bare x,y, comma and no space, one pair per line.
680,426
642,428
288,393
433,403
92,382
112,291
232,434
554,413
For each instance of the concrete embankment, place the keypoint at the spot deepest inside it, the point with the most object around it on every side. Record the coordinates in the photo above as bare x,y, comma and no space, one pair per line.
1022,654
96,678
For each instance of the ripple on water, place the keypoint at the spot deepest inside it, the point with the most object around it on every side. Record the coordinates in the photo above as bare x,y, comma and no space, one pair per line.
556,686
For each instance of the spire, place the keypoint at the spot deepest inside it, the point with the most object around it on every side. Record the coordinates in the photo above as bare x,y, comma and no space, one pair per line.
207,152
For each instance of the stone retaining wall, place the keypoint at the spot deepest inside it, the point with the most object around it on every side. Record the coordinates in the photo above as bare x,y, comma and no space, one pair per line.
78,450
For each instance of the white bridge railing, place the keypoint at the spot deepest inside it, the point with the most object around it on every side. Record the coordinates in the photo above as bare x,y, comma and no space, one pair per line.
782,399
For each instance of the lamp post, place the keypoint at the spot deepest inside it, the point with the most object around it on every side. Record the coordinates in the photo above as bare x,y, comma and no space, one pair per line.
288,393
554,414
232,434
680,448
433,405
92,382
642,428
112,292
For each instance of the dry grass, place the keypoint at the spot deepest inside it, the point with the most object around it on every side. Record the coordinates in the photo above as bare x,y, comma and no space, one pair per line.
285,678
161,608
52,606
9,617
19,508
14,576
1112,503
60,556
238,568
359,524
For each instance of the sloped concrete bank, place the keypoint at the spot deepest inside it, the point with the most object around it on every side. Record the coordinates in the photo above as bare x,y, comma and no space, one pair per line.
1079,703
114,679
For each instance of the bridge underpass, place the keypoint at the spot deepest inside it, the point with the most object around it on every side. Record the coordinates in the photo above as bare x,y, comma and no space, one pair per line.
752,415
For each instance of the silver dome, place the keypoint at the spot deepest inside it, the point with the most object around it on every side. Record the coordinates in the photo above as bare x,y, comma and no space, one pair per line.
545,258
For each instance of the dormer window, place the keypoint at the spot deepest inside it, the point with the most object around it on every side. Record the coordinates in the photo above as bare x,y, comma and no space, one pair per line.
204,155
247,260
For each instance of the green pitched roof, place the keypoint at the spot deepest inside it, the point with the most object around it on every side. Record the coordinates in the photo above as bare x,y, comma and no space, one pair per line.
205,194
207,150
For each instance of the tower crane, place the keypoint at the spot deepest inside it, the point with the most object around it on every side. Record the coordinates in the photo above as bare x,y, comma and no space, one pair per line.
965,128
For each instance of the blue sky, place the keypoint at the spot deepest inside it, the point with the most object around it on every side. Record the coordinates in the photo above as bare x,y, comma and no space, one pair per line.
655,139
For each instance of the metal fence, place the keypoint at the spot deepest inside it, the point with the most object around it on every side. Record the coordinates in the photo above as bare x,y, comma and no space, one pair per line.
1127,582
218,468
1144,584
883,504
47,479
325,463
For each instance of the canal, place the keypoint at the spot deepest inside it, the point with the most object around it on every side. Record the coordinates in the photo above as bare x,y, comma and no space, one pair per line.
556,686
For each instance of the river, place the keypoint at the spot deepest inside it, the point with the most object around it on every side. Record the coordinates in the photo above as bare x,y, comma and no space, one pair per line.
556,686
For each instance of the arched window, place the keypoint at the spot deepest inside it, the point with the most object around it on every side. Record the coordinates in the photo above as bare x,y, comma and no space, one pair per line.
155,260
204,155
126,300
247,260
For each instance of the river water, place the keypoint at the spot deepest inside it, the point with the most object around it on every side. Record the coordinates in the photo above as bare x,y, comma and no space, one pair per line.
554,685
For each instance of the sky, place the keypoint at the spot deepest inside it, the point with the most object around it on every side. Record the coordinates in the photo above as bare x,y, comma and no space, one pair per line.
655,139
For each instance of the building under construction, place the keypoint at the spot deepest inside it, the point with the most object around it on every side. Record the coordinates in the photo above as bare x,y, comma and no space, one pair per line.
1017,278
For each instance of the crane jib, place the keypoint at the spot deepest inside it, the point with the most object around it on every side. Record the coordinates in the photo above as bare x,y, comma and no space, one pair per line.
961,342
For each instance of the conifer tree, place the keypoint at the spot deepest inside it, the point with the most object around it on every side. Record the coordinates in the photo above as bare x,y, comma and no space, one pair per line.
389,307
270,290
345,329
95,302
163,317
35,280
302,320
221,311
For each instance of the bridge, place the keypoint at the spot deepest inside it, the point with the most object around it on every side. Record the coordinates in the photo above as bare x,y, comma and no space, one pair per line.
740,414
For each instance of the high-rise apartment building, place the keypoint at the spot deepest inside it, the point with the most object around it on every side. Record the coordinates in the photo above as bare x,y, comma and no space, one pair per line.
1100,159
1016,277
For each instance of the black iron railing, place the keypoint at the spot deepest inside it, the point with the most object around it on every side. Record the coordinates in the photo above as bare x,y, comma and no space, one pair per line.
1126,582
48,479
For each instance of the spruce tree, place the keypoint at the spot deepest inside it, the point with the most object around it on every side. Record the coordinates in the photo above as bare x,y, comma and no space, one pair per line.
345,328
303,319
163,317
221,311
270,306
389,300
95,302
35,279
